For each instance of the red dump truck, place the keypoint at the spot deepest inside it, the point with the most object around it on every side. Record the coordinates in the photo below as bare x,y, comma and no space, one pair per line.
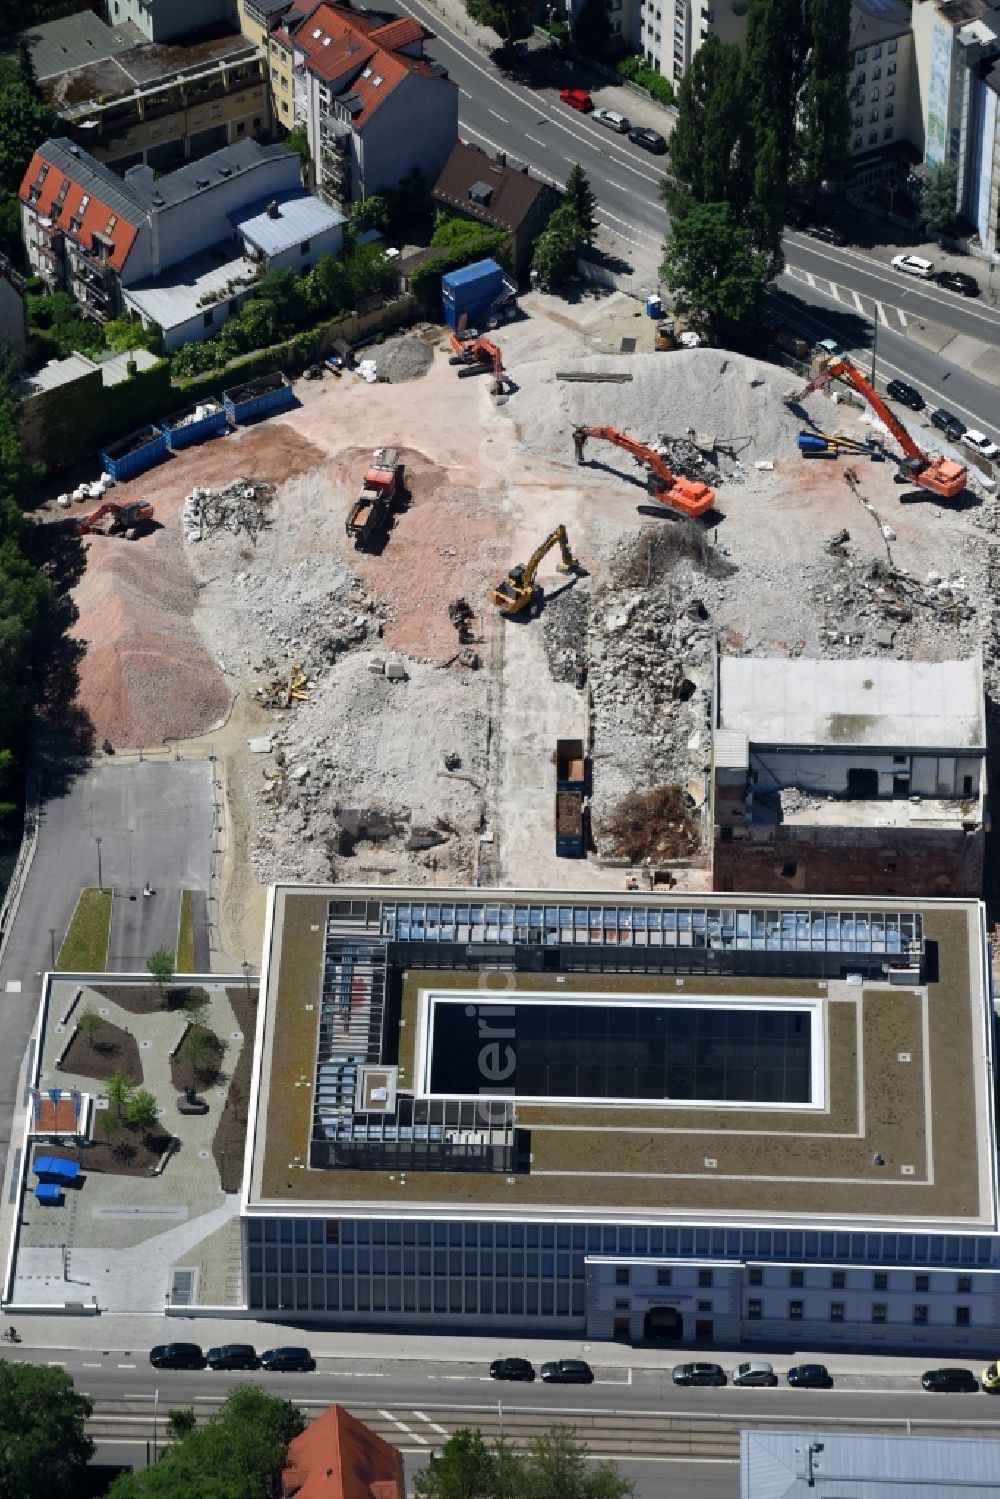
371,513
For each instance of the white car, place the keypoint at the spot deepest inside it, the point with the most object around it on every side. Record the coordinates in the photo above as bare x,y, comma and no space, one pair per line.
612,119
914,265
981,444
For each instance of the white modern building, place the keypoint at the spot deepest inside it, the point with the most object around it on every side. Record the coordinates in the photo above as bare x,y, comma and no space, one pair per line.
712,1119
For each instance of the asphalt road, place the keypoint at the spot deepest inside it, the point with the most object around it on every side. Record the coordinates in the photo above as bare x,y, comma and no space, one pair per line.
154,820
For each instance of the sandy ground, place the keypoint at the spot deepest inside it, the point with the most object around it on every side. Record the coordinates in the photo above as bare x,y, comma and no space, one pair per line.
181,636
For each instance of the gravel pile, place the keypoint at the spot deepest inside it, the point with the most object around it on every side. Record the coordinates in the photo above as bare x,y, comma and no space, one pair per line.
405,358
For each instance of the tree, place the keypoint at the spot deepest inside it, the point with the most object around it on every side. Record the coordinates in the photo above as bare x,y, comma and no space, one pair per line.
119,1088
180,1422
195,1006
710,145
939,196
142,1110
161,966
238,1454
44,1449
711,265
297,139
372,213
25,122
554,1465
465,1469
772,62
108,1124
592,29
89,1024
554,257
580,198
825,108
508,18
197,1047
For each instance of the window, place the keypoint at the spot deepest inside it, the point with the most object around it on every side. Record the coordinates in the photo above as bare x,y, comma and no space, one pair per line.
621,1275
893,46
663,1277
209,317
880,1281
858,121
305,247
754,1309
621,1303
890,89
284,84
873,118
920,1313
890,69
876,74
796,1278
878,1311
755,1276
875,95
876,53
242,125
704,1277
921,1282
857,143
704,1306
256,122
838,1279
963,1285
860,79
795,1311
860,57
961,1316
836,1311
890,110
873,137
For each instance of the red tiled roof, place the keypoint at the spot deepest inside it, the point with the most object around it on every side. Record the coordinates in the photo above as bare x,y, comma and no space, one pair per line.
349,43
337,1457
400,33
96,217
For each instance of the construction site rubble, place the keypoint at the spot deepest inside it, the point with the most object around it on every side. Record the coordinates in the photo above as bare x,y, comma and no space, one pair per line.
243,507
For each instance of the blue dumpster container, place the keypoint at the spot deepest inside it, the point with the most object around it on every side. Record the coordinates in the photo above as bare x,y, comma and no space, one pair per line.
258,397
134,454
207,419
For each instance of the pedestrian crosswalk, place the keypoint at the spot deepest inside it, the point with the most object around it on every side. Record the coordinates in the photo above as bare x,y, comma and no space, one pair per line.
876,311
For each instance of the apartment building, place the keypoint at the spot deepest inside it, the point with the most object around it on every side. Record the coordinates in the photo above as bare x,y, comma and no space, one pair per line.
375,109
678,1118
885,108
159,20
181,250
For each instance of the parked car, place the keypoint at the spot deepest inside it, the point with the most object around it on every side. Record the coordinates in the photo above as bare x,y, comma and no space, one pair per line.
287,1360
754,1373
650,140
948,424
958,281
990,1377
907,395
981,444
512,1368
827,234
950,1381
177,1356
577,98
810,1377
568,1371
914,265
712,1374
233,1356
614,121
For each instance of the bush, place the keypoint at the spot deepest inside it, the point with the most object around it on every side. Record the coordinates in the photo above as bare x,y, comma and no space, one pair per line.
425,282
635,70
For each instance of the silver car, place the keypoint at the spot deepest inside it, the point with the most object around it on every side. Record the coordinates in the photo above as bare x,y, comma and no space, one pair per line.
756,1372
613,120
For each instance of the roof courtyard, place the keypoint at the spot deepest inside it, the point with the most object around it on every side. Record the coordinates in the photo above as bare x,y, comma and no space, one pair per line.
540,1056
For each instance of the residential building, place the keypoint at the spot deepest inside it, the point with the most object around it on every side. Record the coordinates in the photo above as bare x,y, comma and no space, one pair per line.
494,191
672,1117
180,250
13,315
374,107
338,1457
863,776
159,20
828,1464
885,113
127,101
668,33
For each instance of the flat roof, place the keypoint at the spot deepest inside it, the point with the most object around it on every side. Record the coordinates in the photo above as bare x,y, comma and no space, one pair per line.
73,42
829,1464
300,216
933,705
899,1021
174,297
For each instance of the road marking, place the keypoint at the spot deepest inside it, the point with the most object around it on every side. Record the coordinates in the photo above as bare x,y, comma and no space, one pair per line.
126,1366
464,91
871,267
881,315
534,141
502,118
54,1363
902,316
92,1366
413,1435
810,278
857,301
834,291
432,1424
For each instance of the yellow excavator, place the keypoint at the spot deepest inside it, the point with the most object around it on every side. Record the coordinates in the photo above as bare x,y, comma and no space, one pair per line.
519,591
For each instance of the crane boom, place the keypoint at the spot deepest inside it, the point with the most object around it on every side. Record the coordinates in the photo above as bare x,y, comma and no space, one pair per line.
942,476
689,496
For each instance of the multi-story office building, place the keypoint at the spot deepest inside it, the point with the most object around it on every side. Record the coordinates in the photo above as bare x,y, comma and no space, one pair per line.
713,1117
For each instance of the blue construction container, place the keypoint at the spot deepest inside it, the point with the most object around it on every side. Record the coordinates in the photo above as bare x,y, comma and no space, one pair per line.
258,397
468,292
206,419
134,454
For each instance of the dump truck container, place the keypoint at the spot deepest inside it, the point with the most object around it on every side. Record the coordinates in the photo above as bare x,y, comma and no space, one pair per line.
467,293
571,765
134,454
206,419
258,397
569,825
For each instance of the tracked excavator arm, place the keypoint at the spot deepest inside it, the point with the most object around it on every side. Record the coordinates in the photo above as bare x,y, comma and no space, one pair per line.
688,496
942,476
519,591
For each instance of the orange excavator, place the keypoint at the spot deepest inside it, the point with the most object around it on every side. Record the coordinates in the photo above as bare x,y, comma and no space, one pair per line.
475,354
128,518
942,476
689,496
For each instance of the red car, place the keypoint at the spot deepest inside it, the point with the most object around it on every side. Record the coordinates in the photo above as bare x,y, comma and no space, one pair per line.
577,98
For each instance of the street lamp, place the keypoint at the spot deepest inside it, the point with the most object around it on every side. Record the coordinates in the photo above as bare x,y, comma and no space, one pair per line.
100,879
52,942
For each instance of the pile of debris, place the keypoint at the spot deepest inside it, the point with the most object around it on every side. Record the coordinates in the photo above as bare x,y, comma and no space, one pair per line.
653,826
291,685
243,507
405,358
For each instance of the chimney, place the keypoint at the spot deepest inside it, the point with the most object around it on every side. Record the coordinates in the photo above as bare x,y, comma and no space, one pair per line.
501,158
273,211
